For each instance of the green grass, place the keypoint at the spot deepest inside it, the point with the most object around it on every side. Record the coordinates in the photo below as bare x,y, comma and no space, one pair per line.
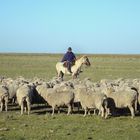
43,66
42,126
29,66
61,126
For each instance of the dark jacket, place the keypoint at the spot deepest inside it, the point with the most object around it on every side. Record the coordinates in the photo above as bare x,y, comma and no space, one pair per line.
69,56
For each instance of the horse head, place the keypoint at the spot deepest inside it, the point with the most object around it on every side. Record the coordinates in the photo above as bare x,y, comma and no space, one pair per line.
86,60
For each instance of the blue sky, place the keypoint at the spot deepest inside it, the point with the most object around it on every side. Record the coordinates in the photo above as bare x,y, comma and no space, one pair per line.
88,26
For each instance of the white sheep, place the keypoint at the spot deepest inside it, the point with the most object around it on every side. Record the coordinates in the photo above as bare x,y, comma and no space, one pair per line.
92,100
24,97
58,99
12,88
123,99
3,97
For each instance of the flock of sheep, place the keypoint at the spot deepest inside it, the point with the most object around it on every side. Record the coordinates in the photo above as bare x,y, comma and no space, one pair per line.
102,97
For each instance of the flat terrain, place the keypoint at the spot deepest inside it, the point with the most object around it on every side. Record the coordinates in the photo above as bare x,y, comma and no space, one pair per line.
40,125
43,66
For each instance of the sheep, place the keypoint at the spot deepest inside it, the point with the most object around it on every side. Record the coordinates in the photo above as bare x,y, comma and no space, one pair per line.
12,88
54,81
3,97
127,86
7,80
136,86
123,99
59,99
24,97
94,87
63,87
21,79
88,83
77,89
41,90
56,97
94,100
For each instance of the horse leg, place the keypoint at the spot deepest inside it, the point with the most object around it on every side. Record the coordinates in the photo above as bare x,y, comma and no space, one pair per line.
74,76
61,74
58,73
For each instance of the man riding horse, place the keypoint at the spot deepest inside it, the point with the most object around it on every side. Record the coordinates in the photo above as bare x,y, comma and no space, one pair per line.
69,58
71,65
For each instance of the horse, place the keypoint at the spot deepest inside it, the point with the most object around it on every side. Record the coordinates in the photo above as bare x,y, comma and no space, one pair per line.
76,68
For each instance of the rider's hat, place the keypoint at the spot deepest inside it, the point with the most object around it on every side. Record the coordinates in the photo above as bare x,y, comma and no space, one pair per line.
69,49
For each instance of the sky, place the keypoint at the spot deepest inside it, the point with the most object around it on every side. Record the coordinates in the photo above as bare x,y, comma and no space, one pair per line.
88,26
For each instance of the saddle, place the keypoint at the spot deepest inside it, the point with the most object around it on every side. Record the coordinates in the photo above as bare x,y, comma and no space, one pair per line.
65,64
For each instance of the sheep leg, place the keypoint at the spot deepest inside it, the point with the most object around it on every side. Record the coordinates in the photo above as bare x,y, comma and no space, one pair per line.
22,108
58,110
29,109
102,112
72,107
136,106
94,112
78,106
88,112
1,106
28,105
132,111
25,109
106,112
69,109
85,112
13,100
53,109
6,104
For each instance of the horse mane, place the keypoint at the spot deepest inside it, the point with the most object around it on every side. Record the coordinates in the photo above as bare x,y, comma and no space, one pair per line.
84,56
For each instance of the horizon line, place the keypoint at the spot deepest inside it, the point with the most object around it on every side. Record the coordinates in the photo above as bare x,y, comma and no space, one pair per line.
57,53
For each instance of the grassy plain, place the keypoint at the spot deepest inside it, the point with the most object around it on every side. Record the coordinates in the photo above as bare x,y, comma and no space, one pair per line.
40,125
43,66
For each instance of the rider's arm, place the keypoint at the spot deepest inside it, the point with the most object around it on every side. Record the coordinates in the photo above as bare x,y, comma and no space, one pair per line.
74,56
64,58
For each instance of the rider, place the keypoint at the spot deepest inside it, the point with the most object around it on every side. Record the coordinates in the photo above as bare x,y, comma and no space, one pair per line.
70,58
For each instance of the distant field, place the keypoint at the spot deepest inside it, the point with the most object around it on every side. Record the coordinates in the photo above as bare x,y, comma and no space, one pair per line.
40,125
43,66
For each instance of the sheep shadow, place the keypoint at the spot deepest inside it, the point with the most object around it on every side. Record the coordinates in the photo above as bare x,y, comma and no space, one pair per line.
48,109
13,107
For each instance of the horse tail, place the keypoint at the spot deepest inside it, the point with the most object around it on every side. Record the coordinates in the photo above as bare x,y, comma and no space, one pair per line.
58,70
